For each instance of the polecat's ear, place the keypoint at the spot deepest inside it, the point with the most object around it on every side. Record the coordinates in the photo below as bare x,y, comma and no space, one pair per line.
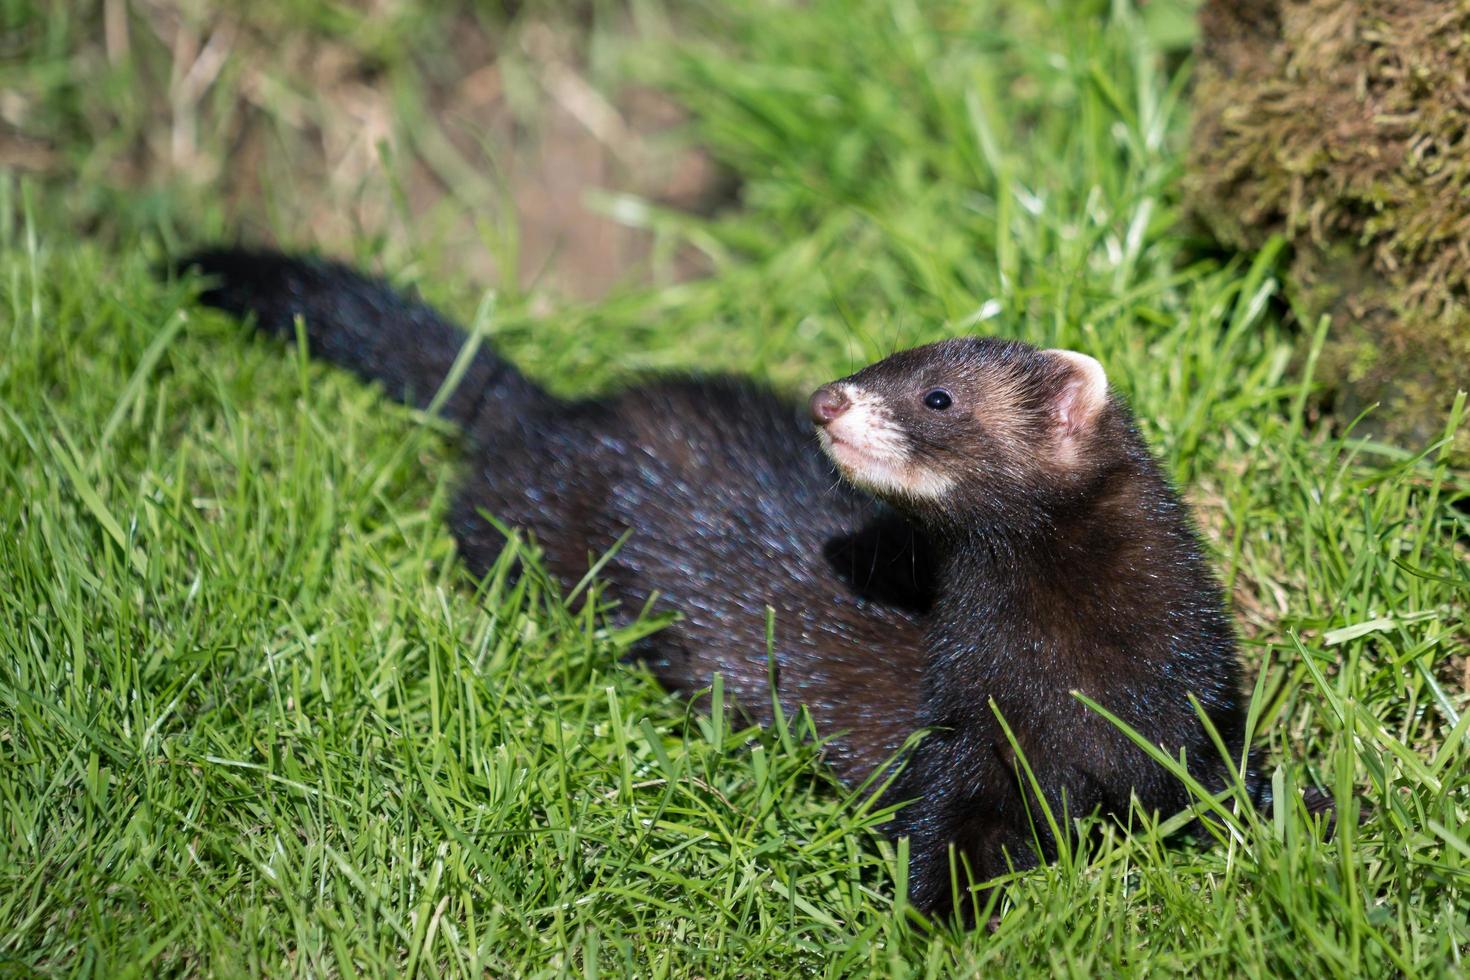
1083,393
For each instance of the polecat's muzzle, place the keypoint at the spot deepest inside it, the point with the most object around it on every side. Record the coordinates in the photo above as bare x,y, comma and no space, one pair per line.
827,403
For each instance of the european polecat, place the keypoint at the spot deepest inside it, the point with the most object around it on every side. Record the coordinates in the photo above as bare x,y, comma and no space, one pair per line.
1064,563
1006,539
731,506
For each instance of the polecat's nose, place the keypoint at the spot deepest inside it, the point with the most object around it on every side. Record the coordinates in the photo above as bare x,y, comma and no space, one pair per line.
827,403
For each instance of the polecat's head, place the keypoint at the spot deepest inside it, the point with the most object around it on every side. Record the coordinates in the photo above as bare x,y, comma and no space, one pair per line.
968,425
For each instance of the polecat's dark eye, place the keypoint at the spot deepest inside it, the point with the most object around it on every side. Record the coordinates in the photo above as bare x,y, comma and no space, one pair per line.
938,399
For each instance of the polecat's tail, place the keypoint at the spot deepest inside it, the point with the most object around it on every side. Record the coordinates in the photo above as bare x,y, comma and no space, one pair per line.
362,324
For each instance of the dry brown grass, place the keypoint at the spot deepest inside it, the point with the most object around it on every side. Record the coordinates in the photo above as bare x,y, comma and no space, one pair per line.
490,135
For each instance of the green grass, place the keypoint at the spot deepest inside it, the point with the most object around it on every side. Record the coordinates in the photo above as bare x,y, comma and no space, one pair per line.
254,718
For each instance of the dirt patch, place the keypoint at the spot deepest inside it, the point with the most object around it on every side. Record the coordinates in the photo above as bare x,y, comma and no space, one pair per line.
488,135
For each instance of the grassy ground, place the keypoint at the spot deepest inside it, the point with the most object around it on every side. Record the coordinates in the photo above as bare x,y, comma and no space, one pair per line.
255,719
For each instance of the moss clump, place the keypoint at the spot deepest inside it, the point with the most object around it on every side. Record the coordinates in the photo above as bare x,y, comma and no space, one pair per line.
1344,125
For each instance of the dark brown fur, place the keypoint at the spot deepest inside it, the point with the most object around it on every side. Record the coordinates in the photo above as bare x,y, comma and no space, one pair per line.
730,505
1066,563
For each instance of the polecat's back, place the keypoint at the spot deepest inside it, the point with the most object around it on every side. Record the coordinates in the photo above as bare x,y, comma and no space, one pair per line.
728,506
